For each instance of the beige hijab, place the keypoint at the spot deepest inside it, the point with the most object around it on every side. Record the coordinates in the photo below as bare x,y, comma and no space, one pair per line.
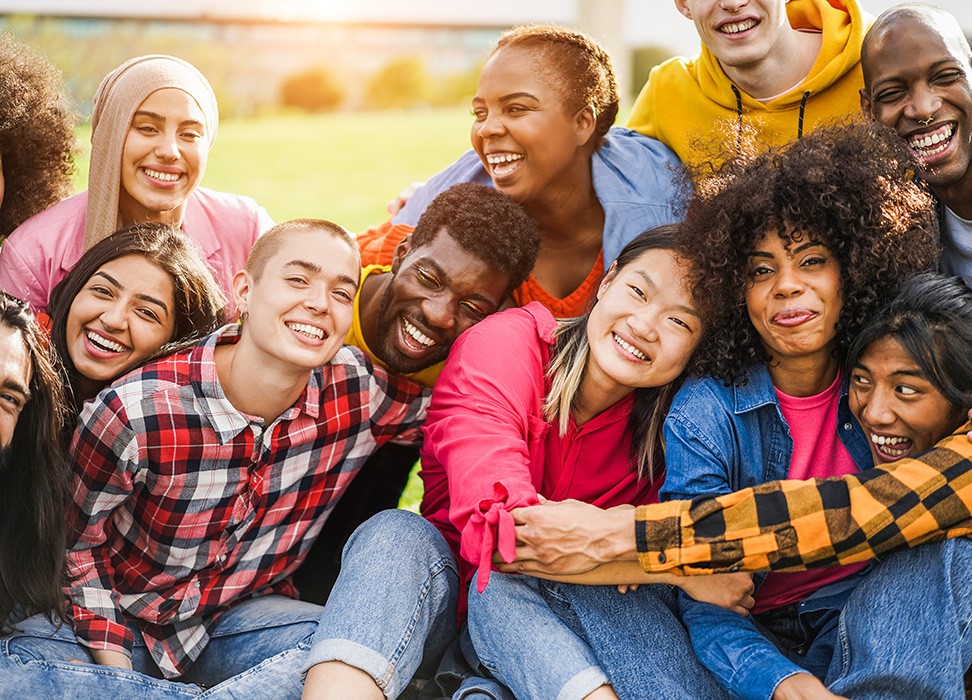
115,102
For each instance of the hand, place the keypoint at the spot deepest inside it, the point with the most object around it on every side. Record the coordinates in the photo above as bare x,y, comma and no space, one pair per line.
625,587
730,591
570,537
109,657
395,205
803,686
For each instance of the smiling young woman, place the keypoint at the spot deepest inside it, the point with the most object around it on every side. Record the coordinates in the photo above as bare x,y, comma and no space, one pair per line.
154,121
140,293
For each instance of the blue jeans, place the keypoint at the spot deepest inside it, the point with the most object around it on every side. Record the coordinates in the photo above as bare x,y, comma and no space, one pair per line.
906,631
397,589
254,650
392,611
520,629
641,643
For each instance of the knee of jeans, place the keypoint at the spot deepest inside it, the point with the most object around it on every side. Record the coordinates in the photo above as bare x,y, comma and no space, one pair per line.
395,534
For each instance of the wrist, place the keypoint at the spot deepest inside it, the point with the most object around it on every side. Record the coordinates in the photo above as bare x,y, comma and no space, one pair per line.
619,538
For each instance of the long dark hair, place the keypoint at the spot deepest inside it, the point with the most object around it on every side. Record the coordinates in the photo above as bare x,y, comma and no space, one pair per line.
569,360
931,317
33,485
198,300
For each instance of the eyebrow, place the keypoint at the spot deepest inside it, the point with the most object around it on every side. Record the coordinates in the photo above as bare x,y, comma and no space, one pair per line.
144,297
897,373
511,96
314,268
445,278
161,118
796,251
14,385
949,62
654,288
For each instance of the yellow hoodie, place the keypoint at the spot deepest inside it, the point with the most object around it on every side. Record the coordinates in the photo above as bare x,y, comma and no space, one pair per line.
693,108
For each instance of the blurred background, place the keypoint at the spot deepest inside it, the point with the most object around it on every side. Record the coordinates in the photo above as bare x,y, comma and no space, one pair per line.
329,108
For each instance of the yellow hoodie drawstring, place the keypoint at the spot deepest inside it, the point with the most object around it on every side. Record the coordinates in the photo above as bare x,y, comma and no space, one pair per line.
739,116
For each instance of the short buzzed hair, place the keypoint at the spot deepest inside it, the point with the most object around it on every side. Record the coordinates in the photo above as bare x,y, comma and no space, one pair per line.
942,21
268,244
488,224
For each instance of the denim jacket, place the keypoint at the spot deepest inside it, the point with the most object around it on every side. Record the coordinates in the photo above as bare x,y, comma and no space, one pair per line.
720,439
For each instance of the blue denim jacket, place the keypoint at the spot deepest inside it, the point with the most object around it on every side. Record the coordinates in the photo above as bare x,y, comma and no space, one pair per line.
634,177
720,439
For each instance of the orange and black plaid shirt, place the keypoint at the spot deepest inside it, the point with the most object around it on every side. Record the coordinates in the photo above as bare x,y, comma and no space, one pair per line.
795,525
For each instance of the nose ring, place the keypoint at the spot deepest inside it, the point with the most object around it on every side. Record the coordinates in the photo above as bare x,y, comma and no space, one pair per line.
926,122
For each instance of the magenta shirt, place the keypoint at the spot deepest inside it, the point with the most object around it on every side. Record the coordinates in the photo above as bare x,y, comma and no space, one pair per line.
488,449
43,249
817,454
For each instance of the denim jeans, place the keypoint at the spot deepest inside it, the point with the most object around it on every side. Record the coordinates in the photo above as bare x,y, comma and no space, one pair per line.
641,643
397,589
518,626
392,611
254,651
905,631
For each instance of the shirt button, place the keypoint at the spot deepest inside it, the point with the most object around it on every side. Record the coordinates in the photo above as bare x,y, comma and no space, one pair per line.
734,567
847,426
662,558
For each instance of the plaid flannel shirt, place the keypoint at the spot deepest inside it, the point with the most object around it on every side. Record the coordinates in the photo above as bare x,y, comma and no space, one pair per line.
795,525
185,505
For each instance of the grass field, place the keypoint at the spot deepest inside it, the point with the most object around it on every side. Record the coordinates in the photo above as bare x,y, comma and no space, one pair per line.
343,167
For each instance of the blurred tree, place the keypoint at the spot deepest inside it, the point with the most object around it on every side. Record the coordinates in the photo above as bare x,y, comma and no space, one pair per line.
403,82
643,60
313,90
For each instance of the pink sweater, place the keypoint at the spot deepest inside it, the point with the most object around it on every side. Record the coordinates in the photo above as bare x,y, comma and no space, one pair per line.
488,449
43,249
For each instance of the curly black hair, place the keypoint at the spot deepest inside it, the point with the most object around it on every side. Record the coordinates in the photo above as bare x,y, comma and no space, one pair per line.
36,135
488,224
850,188
583,66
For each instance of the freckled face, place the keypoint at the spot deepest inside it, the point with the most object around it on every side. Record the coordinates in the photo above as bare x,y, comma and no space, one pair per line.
901,411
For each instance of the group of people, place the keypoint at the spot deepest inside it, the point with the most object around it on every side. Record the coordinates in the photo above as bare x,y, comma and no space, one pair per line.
638,365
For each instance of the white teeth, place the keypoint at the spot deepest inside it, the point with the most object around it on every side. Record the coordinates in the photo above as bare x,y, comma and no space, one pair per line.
934,142
418,335
103,343
738,26
308,330
497,158
883,440
164,177
629,347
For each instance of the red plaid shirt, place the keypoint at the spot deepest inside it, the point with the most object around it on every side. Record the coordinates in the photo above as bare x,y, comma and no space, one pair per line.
186,506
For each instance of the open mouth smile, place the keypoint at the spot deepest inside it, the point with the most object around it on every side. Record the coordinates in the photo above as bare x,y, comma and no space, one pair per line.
891,447
312,332
738,26
162,177
503,163
931,143
410,332
629,348
104,344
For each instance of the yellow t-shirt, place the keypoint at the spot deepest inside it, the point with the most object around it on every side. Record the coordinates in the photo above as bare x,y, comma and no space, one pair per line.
425,377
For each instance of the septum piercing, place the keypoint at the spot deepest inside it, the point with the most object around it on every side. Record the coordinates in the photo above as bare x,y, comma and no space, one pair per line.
926,122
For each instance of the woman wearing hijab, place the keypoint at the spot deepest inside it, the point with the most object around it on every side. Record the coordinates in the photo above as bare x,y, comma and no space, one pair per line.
154,120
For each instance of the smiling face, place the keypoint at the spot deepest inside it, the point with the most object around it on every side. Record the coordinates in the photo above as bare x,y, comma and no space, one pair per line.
793,297
163,159
528,140
901,411
437,291
299,305
741,34
121,317
642,330
15,373
920,86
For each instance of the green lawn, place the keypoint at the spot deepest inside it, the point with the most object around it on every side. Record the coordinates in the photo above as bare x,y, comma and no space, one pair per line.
343,167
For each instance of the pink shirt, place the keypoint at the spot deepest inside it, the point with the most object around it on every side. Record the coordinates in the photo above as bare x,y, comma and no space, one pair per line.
488,449
817,454
43,249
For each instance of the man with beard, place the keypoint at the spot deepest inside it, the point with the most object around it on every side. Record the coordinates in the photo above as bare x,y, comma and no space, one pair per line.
918,80
471,247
